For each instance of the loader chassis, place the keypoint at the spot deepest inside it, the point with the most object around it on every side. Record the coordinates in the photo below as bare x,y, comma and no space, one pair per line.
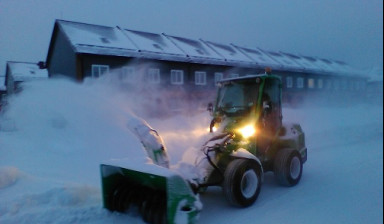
248,138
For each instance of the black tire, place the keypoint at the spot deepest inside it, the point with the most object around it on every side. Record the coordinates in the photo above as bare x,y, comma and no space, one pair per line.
288,167
242,182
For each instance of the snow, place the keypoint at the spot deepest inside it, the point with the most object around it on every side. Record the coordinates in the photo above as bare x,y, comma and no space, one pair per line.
101,36
152,42
259,56
59,132
21,71
285,61
229,52
195,49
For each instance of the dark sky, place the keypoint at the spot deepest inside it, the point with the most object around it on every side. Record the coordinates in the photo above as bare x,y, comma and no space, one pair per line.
346,30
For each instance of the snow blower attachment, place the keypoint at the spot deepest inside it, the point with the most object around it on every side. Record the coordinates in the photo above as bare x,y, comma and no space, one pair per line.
247,138
156,193
149,189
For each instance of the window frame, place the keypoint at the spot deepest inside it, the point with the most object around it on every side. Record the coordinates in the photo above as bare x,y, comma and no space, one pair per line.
200,78
97,70
153,76
320,84
300,82
177,77
311,83
216,79
289,82
128,74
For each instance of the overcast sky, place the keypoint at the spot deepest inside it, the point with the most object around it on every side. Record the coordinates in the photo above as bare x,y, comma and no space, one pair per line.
346,30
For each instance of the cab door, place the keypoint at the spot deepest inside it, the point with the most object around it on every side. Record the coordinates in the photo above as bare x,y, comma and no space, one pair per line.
271,114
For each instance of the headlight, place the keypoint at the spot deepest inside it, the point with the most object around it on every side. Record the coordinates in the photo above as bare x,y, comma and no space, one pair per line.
214,129
247,131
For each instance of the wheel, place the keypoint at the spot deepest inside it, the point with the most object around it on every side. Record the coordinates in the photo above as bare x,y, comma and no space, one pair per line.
242,182
288,167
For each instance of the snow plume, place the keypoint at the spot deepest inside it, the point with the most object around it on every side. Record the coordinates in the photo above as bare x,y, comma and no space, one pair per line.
150,94
8,176
56,119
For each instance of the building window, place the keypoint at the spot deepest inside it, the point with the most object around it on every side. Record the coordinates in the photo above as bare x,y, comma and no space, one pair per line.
177,77
289,82
153,76
233,75
218,77
200,78
356,85
300,82
336,84
127,74
329,84
344,84
98,70
320,83
363,85
311,83
350,85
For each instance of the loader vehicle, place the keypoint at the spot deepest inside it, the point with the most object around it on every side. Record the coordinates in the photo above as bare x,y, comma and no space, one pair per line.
247,138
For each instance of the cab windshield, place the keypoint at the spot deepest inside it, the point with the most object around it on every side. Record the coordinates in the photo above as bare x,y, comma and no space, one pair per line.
237,98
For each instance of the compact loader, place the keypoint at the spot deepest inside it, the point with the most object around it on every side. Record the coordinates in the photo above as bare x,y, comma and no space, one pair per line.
247,139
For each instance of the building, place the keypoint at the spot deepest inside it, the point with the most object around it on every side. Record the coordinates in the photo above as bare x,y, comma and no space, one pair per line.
18,72
187,69
3,90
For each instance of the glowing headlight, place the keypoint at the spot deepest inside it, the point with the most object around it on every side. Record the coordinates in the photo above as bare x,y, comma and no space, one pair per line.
214,129
247,131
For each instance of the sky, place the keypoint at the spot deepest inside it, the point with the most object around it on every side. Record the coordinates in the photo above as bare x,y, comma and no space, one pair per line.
345,30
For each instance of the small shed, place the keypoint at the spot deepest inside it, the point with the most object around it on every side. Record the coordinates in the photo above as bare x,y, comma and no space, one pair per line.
18,72
3,90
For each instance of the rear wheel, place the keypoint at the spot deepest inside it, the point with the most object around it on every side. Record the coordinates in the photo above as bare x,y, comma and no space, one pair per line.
288,167
242,182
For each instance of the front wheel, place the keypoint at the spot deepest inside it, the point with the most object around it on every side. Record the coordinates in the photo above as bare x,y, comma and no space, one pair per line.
288,167
242,182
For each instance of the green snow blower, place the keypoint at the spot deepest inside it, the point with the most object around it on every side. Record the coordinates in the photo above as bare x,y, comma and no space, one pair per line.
247,139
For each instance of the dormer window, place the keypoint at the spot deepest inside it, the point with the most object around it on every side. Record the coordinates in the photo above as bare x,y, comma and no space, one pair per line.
200,51
104,40
157,46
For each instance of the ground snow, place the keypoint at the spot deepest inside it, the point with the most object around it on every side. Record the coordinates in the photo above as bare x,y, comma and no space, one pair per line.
55,134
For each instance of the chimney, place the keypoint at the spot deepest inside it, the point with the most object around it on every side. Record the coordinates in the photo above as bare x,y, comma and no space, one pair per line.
41,65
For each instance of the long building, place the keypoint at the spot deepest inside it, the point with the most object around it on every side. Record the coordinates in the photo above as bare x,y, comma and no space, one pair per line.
188,69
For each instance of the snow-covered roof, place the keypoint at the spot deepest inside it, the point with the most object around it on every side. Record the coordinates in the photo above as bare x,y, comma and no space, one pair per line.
196,50
305,64
229,52
154,45
343,68
87,38
2,83
284,60
22,71
116,41
258,56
